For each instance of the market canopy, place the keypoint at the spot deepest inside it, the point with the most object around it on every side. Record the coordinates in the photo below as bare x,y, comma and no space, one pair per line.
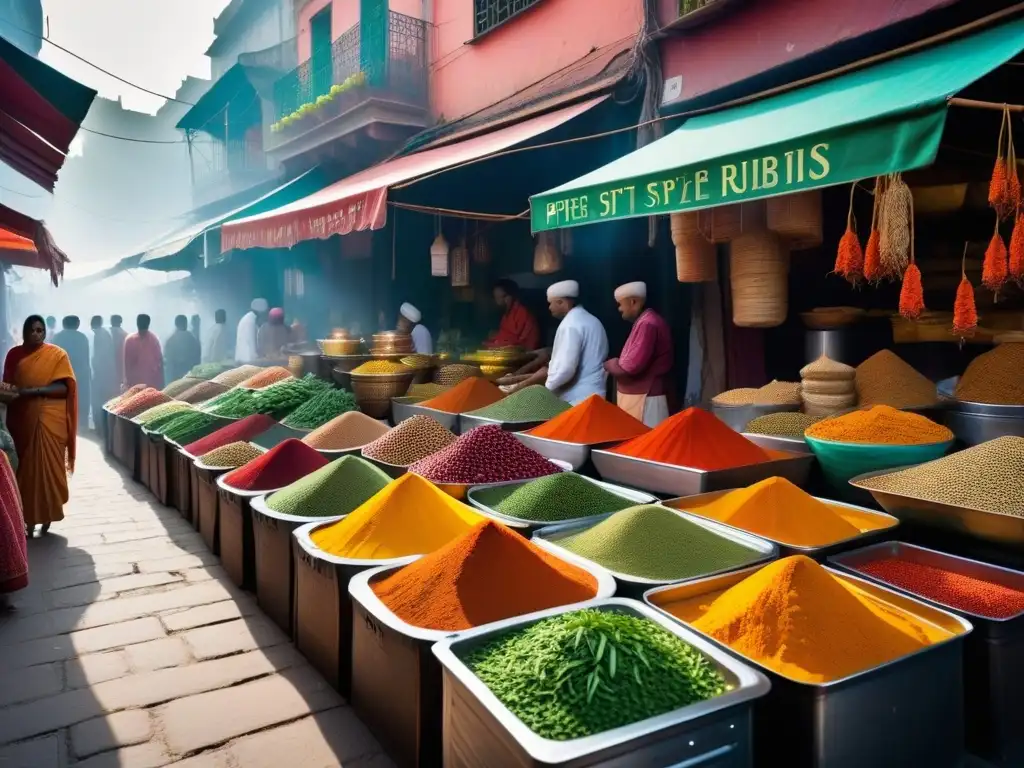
27,242
359,202
881,119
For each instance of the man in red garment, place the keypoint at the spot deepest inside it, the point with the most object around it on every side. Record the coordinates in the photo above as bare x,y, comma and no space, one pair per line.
143,360
518,327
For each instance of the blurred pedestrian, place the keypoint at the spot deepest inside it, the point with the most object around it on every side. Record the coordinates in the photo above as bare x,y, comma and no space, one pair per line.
246,350
104,369
143,360
76,344
118,334
216,350
272,336
182,350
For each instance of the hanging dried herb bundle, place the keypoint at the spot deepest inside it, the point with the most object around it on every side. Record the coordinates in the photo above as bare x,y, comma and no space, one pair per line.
965,313
994,268
894,228
872,253
912,290
850,257
1004,190
1017,249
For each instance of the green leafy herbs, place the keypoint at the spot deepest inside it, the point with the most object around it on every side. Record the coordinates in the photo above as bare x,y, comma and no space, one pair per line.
322,408
277,400
588,671
208,370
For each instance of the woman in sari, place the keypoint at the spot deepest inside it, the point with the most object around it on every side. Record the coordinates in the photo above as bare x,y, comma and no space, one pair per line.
13,552
42,416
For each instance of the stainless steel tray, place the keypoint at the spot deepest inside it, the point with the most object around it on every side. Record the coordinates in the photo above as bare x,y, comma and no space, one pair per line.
785,548
715,731
573,454
392,470
975,428
669,479
461,490
738,416
946,389
975,523
776,443
400,407
761,550
467,422
449,421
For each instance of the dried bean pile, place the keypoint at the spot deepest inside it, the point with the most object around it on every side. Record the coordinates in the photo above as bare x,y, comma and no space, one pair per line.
207,371
189,426
321,409
201,392
235,376
784,424
333,491
534,403
266,377
552,499
157,411
585,672
179,386
773,393
410,441
380,367
450,375
350,430
231,455
484,455
238,431
131,407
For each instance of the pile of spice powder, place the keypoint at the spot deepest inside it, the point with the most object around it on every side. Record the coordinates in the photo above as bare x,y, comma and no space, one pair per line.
266,377
778,510
235,376
180,386
207,371
783,424
799,620
551,499
333,491
280,466
164,409
342,433
426,390
466,583
591,422
450,375
131,407
321,408
408,442
128,393
653,542
484,455
534,403
410,516
380,368
585,672
880,425
242,430
956,590
694,438
885,379
994,377
231,455
985,477
465,396
201,392
773,393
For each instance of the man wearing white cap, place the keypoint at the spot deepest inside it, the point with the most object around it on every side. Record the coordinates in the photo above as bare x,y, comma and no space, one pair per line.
641,372
409,322
576,370
245,337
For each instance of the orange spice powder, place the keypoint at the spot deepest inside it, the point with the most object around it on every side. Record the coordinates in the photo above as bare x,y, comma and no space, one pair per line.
467,395
593,421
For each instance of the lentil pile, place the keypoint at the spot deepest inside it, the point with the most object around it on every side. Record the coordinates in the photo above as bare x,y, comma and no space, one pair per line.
141,401
231,455
280,466
350,430
332,491
465,583
201,392
585,672
328,405
207,371
242,430
266,377
534,403
130,392
380,367
235,376
739,396
189,426
880,425
994,377
484,455
426,390
885,379
179,386
773,393
410,516
653,542
783,424
465,396
164,409
986,477
551,499
410,441
957,590
450,375
593,421
799,620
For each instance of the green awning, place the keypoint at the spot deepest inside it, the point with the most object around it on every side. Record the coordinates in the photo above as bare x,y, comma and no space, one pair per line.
877,120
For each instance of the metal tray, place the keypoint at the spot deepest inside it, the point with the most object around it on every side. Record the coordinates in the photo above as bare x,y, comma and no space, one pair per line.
785,548
738,416
906,712
713,732
467,422
975,523
392,470
461,490
276,435
657,477
776,443
946,389
762,550
628,494
573,454
449,421
400,408
976,428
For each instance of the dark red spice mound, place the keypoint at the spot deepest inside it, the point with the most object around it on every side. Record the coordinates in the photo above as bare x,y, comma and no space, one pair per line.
280,466
484,455
242,430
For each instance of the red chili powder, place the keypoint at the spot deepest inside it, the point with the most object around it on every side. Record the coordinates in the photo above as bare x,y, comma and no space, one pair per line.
242,430
489,574
695,438
467,395
595,420
280,466
968,593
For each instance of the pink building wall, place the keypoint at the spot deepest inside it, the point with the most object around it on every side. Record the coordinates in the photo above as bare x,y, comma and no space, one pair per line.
344,13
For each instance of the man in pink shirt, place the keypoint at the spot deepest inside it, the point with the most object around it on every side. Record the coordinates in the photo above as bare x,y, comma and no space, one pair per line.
143,360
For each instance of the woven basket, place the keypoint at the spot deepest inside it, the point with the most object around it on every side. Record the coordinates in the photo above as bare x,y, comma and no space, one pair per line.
826,387
460,265
695,259
759,278
727,222
683,225
796,218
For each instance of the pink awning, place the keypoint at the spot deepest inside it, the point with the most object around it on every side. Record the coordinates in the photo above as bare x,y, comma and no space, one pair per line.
359,202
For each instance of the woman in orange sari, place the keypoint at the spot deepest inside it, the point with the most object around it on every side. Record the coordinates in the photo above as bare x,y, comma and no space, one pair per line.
42,417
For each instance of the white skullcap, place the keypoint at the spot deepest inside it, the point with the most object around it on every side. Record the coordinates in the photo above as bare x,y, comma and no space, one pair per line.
259,305
567,289
410,313
637,290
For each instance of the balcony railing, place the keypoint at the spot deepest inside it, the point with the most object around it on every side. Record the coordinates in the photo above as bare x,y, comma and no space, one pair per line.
221,168
395,67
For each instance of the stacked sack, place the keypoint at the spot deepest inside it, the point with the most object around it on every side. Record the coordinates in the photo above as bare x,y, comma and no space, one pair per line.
827,387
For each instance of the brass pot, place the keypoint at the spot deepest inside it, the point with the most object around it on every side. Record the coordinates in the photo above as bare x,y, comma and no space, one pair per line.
338,347
373,391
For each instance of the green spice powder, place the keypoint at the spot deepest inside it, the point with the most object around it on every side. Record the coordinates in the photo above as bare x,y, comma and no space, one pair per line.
551,499
534,403
586,672
653,542
334,490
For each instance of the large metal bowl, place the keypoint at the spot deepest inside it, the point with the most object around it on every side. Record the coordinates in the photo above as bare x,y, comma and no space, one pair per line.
373,391
338,347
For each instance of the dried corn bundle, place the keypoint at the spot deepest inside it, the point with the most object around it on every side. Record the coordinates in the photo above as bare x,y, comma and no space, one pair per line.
965,314
850,258
894,229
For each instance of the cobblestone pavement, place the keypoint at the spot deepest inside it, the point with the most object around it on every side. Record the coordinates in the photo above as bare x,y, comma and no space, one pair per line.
131,648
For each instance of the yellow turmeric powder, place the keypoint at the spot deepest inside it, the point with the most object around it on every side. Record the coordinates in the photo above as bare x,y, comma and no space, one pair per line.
410,516
798,619
778,510
880,425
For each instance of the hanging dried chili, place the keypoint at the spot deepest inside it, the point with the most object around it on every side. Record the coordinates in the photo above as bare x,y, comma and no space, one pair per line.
965,313
872,252
850,257
994,268
1017,249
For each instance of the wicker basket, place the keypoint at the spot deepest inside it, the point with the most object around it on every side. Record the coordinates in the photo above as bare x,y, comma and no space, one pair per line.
684,224
727,222
460,265
827,387
373,391
759,278
796,218
695,259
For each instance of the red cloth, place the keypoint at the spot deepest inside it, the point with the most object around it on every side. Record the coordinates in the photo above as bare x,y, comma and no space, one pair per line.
518,328
646,361
13,551
143,361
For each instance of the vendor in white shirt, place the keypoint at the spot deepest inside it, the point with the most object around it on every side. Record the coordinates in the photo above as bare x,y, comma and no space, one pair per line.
409,322
245,337
576,370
